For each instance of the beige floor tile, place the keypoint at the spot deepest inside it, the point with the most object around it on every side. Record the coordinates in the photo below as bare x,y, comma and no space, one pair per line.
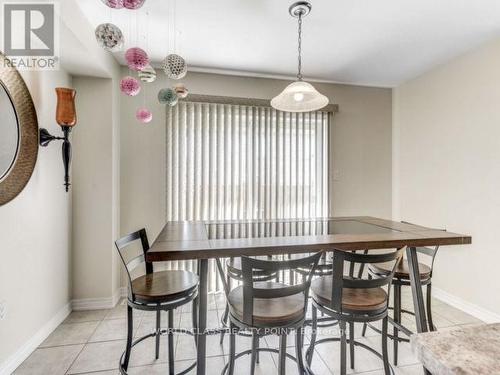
364,360
454,315
98,357
53,361
148,322
113,329
86,316
213,320
265,366
318,366
273,340
71,333
103,356
213,364
120,312
186,348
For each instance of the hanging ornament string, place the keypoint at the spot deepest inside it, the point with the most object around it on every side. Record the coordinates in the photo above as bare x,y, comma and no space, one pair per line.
299,75
175,25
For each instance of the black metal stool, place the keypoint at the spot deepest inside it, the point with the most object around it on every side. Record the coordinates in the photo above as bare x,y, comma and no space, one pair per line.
351,299
269,308
402,278
155,291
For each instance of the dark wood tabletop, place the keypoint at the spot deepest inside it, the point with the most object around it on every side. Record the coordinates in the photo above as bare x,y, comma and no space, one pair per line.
216,239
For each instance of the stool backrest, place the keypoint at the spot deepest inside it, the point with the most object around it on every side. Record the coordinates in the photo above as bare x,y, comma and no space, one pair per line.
429,251
250,292
133,262
342,280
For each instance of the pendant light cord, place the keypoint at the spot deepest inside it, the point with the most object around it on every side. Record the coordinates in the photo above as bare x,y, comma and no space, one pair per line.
299,75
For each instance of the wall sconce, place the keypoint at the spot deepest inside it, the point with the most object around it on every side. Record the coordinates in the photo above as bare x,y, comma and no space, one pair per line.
66,118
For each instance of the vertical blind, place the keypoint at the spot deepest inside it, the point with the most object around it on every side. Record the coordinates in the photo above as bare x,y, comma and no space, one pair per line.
229,161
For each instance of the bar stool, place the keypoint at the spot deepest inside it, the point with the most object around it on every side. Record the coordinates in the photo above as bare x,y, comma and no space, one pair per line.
234,273
352,300
269,308
155,291
402,278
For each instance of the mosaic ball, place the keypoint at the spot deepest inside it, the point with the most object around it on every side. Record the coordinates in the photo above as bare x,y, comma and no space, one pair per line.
109,37
144,115
133,4
130,86
137,59
181,90
174,66
115,4
167,96
148,74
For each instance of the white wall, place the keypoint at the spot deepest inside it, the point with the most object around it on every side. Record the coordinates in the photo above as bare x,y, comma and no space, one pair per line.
446,171
95,195
361,146
35,227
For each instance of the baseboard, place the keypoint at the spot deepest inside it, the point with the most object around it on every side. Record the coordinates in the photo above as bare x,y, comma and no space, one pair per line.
467,307
97,303
34,342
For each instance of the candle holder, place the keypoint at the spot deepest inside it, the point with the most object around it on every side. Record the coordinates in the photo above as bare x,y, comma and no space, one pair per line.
66,118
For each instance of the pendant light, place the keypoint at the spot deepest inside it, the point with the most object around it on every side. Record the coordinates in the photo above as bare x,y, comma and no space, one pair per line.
299,96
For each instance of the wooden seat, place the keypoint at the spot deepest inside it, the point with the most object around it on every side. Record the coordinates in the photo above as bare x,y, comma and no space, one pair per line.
164,286
154,291
351,298
402,270
270,308
276,311
371,299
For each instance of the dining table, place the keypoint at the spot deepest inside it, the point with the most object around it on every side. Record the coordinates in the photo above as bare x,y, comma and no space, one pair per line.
205,240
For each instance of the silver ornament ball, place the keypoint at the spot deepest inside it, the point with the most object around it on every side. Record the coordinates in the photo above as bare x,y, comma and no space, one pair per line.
109,37
174,66
148,74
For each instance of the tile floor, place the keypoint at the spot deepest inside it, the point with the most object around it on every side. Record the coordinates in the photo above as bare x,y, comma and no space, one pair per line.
91,342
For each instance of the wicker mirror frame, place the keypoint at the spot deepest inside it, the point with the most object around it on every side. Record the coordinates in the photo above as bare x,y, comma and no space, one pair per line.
22,168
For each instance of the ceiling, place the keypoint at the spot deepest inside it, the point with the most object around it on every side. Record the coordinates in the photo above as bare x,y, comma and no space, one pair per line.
376,43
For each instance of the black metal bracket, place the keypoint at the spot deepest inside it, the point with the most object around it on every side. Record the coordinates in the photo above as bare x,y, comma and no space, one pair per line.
46,138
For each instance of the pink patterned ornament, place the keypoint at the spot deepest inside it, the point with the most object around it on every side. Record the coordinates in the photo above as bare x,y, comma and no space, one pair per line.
130,86
133,4
137,59
115,4
144,115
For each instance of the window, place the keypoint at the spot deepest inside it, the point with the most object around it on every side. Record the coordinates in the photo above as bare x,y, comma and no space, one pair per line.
241,162
244,162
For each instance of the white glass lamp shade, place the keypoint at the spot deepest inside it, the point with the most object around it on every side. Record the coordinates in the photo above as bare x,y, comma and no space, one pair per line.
299,96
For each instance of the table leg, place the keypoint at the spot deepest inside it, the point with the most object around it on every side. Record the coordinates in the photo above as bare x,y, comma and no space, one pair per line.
202,316
416,289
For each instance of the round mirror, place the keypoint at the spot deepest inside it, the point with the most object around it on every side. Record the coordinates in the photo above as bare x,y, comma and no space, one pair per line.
9,141
18,132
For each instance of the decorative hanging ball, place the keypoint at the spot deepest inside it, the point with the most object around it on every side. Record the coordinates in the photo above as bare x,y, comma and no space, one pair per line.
130,86
175,66
133,4
137,59
115,4
181,90
144,115
109,37
167,96
148,74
